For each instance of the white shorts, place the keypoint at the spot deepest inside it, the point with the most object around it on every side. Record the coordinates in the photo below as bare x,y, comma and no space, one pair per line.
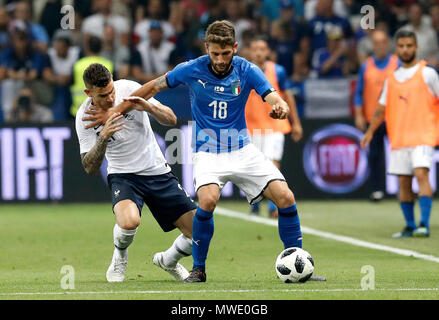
403,161
247,168
271,145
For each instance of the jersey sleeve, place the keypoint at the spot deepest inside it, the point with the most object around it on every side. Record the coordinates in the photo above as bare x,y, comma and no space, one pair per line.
431,78
258,81
178,75
86,137
128,87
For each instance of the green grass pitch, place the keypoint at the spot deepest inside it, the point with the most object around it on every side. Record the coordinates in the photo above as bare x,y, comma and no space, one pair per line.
36,241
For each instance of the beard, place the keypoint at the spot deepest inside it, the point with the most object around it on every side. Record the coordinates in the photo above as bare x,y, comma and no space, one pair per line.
223,70
409,59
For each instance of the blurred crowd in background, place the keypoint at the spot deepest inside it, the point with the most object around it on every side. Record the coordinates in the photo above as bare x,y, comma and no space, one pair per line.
41,64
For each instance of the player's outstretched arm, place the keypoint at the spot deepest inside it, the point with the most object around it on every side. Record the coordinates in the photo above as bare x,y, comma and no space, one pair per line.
280,110
378,118
92,160
148,90
163,114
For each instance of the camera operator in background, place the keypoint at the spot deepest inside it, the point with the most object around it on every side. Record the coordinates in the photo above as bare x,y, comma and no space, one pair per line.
26,110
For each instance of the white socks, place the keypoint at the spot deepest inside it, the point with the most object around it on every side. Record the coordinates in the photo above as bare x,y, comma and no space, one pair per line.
182,247
122,239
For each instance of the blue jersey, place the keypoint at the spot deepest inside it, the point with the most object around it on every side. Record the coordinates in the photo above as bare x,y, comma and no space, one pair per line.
218,103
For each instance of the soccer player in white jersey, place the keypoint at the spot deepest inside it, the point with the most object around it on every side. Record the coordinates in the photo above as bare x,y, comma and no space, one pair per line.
137,170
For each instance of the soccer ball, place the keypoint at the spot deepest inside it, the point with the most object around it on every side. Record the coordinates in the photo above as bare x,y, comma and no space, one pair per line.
294,265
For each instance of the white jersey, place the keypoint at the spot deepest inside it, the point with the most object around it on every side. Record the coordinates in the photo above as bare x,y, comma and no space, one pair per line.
429,74
133,149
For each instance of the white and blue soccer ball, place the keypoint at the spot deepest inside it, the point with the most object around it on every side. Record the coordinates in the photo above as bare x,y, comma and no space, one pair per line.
294,265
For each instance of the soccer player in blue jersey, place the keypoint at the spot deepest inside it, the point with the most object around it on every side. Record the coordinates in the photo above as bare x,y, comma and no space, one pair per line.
219,84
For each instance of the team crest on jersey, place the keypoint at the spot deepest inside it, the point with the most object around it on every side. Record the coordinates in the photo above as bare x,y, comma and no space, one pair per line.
128,116
236,87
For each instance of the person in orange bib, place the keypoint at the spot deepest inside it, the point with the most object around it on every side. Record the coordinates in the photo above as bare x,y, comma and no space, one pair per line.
409,104
370,82
266,133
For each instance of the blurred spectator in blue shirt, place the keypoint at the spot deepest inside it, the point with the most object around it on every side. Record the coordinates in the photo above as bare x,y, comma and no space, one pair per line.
296,42
20,62
330,62
38,34
270,8
325,20
283,45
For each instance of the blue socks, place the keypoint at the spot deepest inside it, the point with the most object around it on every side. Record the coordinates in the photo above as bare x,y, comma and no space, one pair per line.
289,227
407,208
425,205
409,213
202,233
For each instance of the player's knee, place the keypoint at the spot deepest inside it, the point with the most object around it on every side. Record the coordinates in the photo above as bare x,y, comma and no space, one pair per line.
130,223
422,177
208,202
285,198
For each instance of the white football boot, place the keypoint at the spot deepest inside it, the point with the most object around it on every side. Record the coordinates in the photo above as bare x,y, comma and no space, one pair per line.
117,269
178,272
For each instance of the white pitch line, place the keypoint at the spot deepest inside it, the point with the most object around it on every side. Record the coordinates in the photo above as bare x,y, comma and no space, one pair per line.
209,291
328,235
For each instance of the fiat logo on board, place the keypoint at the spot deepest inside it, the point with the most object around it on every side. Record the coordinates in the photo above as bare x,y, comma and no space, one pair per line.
333,159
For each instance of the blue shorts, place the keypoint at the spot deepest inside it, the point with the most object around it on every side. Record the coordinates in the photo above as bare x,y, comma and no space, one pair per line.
163,194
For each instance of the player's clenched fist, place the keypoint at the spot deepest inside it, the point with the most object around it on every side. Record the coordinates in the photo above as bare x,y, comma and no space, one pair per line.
279,111
112,125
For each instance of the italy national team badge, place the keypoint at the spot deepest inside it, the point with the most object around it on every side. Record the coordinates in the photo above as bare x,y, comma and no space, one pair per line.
236,87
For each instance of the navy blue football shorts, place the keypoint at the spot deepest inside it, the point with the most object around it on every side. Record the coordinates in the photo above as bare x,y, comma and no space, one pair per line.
163,194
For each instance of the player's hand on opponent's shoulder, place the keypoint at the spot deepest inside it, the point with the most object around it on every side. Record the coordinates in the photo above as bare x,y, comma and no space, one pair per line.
279,111
139,103
112,125
97,116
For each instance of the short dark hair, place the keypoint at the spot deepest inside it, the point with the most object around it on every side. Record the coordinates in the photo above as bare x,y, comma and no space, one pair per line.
405,34
220,32
96,75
